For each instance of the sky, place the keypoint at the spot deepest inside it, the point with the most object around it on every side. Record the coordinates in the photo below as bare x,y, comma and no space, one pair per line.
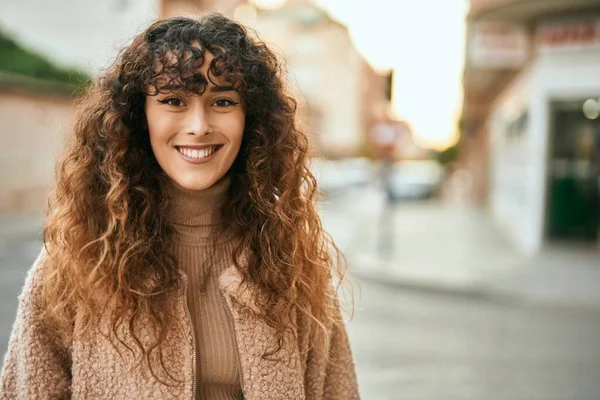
423,41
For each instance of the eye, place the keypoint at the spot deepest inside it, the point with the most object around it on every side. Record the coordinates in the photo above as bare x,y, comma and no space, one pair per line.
172,101
224,103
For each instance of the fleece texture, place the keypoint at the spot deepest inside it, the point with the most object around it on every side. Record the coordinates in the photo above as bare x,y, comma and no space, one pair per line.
43,364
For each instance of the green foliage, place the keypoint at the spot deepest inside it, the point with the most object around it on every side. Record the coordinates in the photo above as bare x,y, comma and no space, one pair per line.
17,60
447,156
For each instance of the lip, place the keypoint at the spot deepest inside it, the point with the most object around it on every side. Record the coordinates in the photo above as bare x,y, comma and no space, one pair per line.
198,147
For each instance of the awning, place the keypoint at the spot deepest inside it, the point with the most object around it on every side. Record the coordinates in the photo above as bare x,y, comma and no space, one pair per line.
526,10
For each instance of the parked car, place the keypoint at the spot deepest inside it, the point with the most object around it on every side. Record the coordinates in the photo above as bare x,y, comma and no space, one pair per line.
415,179
334,175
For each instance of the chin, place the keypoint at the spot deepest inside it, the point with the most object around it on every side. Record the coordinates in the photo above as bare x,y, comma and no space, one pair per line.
198,186
195,184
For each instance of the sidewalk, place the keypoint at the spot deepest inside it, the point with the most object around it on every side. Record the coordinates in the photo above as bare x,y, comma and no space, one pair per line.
456,249
20,226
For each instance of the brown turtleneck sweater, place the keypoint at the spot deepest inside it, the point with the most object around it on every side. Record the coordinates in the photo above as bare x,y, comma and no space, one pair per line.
195,217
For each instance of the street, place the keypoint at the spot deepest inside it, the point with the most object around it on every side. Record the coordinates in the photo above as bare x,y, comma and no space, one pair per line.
413,345
420,344
417,344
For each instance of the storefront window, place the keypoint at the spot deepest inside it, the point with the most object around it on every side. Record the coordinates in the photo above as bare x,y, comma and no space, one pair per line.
574,193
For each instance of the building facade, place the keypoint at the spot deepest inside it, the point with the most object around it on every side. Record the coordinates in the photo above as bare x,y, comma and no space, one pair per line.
31,139
170,8
533,139
337,90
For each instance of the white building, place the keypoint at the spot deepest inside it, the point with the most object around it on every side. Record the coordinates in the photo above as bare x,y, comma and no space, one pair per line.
544,148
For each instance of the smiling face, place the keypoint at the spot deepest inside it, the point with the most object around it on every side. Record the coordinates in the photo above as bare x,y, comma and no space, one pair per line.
196,137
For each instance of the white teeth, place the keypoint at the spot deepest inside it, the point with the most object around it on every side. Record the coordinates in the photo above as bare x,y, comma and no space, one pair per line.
201,153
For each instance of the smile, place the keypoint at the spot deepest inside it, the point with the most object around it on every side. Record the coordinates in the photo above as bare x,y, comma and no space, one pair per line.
198,155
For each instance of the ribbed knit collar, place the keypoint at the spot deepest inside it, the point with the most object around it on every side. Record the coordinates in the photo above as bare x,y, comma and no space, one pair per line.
195,214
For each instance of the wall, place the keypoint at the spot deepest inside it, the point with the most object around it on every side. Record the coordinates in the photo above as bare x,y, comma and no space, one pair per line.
31,139
326,73
171,8
510,159
519,168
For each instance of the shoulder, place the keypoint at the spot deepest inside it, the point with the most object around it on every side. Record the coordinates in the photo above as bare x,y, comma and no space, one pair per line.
34,279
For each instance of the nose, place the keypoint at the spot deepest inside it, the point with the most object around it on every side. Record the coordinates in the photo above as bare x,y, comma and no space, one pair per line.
196,122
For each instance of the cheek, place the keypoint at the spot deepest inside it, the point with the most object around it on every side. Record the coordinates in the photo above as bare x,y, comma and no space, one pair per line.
155,138
237,130
158,135
158,128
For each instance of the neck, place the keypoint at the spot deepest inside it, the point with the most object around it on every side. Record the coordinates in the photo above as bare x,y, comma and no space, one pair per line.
196,214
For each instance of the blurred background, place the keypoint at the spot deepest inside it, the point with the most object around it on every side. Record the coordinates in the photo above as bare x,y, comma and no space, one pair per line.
457,148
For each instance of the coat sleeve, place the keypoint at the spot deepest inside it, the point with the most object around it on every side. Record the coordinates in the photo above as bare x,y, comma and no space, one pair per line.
37,364
330,372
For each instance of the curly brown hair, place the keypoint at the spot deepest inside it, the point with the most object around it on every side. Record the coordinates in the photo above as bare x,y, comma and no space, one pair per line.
107,239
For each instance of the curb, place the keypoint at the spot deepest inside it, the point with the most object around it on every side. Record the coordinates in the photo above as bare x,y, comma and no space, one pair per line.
20,227
380,276
371,268
476,290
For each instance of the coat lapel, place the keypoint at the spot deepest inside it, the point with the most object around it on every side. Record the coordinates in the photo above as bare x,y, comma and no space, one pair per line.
274,377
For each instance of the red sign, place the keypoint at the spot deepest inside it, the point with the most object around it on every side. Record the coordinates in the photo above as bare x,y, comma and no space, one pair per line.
565,35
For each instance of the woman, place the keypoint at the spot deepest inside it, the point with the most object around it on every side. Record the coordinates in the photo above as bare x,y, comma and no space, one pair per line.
183,254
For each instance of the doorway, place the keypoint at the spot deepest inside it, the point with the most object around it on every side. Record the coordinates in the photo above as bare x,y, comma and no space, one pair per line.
574,172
